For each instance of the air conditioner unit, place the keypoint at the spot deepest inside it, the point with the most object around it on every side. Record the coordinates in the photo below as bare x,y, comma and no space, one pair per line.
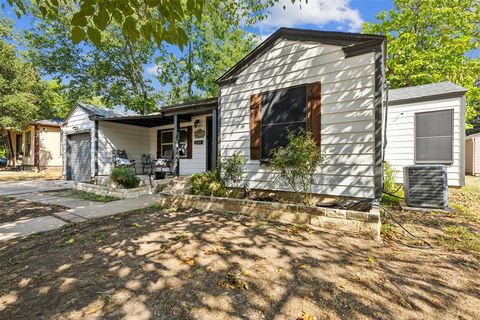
426,186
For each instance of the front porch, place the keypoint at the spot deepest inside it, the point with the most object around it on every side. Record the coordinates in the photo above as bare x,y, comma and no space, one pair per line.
188,132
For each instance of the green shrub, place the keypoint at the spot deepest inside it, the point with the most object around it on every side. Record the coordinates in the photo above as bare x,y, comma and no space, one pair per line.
297,163
233,169
208,184
124,177
389,179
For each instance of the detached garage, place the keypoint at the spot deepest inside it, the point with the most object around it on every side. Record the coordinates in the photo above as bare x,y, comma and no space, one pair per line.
78,140
426,125
472,154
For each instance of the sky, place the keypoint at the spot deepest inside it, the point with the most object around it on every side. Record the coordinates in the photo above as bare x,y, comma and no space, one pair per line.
326,15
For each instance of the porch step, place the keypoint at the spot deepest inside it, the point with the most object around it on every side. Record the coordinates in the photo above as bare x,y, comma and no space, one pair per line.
174,184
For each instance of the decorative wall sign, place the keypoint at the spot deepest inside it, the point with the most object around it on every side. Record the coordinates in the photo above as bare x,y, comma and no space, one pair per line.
199,133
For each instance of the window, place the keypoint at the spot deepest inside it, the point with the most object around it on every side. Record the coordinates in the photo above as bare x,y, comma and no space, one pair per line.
434,137
282,111
19,145
167,142
28,143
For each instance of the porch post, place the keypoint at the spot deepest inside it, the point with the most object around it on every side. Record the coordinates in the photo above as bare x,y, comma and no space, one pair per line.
176,155
214,139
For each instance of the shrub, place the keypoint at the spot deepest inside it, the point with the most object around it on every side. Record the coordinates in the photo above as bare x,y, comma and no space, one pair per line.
208,184
233,169
297,163
124,177
389,178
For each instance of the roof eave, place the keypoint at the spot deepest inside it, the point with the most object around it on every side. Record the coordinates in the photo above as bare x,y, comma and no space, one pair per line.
447,95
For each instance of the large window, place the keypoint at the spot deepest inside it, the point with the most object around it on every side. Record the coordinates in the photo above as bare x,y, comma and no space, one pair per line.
282,111
434,137
28,143
167,142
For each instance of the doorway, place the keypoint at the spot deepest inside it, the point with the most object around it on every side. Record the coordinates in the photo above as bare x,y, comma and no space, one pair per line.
209,144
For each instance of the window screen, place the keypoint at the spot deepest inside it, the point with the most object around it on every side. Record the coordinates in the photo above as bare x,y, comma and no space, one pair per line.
434,137
282,111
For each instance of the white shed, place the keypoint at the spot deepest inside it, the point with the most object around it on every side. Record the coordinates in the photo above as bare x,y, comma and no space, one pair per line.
328,82
472,154
426,125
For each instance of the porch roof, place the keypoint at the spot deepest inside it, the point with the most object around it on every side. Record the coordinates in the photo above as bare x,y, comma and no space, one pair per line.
183,111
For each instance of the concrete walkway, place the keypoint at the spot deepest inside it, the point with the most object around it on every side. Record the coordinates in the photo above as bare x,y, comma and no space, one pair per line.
80,210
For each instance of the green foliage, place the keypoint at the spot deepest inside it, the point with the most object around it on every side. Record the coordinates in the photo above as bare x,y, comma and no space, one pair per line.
208,184
297,163
460,238
24,96
430,41
124,177
389,178
233,169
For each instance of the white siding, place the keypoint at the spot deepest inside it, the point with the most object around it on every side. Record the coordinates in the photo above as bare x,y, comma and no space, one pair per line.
135,140
198,163
348,119
77,122
400,150
477,156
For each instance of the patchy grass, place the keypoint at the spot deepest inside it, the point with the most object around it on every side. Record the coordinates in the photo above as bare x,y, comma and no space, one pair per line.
9,175
460,238
83,195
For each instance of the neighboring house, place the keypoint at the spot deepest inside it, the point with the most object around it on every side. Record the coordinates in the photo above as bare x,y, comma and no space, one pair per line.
37,146
472,154
330,83
426,125
102,131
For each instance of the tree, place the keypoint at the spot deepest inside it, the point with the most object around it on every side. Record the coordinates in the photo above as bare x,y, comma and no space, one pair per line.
24,96
430,41
213,46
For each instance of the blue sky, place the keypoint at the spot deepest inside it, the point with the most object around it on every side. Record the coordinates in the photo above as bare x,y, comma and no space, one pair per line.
331,15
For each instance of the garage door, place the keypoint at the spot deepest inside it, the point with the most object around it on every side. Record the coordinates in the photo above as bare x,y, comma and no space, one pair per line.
78,157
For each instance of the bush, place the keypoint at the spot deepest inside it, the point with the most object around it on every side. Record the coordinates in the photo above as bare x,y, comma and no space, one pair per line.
233,169
389,178
297,163
208,184
124,177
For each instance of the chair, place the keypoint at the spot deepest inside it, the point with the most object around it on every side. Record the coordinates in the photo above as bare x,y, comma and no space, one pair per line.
165,162
146,162
120,159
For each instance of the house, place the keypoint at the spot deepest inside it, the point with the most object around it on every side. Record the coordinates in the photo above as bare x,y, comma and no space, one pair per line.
330,83
36,146
102,131
472,154
426,125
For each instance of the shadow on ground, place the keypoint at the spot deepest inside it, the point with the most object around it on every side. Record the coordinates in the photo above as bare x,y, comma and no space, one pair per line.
160,264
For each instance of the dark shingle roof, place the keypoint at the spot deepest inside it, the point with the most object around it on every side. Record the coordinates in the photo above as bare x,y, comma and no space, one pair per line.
100,111
431,91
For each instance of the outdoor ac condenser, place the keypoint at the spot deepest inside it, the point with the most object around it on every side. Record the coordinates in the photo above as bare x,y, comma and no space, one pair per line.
426,186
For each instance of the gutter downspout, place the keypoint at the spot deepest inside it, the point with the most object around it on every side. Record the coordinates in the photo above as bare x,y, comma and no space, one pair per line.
96,147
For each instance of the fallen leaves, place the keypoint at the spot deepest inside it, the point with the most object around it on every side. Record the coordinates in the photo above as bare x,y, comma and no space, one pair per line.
234,281
306,316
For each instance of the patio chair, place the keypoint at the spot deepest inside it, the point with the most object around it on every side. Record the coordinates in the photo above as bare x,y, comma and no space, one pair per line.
120,159
165,162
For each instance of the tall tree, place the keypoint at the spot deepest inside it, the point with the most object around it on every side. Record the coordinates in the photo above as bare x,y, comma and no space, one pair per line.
24,96
431,41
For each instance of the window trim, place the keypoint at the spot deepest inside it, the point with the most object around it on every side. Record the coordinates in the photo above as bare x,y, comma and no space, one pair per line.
447,162
171,143
265,159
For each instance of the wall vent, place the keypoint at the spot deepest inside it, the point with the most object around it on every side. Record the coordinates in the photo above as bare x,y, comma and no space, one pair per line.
426,186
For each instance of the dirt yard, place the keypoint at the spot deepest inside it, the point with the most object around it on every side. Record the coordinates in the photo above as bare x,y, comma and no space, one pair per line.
11,175
163,264
12,209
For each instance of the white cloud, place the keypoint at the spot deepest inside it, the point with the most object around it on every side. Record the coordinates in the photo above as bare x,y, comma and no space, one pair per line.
152,70
315,12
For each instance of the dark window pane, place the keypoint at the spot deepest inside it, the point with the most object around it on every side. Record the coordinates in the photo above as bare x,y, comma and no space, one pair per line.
183,135
167,137
434,124
434,149
286,105
275,136
166,147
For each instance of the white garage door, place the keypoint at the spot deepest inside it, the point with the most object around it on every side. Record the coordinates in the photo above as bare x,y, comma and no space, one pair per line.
78,157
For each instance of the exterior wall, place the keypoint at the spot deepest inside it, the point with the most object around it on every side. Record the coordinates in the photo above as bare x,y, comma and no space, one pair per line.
28,159
198,163
469,156
135,140
477,156
347,120
400,150
50,147
78,122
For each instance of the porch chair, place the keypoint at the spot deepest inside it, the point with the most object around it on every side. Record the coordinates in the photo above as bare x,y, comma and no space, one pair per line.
120,159
146,162
165,162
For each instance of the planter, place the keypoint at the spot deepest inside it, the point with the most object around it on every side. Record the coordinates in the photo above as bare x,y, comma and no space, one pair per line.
114,192
365,224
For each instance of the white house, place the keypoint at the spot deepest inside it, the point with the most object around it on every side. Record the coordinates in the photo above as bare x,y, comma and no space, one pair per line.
472,154
328,82
426,125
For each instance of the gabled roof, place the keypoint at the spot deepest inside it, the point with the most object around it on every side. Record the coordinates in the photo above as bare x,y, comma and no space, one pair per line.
352,43
432,91
57,122
94,111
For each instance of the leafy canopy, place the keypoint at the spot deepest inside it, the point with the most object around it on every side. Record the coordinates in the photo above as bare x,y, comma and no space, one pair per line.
431,41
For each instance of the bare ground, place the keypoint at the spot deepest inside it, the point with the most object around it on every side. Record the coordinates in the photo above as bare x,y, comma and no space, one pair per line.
12,209
162,264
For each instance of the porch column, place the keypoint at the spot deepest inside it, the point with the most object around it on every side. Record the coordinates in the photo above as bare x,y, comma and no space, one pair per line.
176,155
214,139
